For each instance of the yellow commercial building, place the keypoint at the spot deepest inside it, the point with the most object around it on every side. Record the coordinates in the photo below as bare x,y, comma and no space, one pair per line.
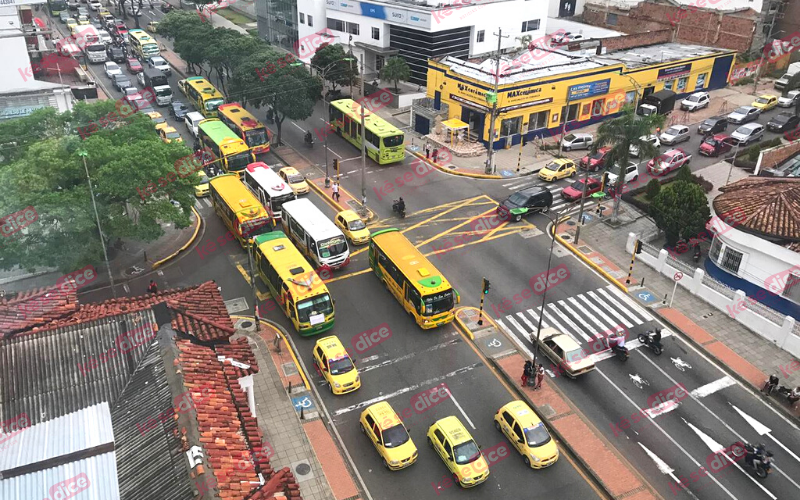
538,87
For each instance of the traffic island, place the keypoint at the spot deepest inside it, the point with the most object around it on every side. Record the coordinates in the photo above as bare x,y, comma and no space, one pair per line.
345,200
609,470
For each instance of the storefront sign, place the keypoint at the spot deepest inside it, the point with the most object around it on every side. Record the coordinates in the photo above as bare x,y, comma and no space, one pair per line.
385,12
18,111
674,72
7,3
591,89
528,104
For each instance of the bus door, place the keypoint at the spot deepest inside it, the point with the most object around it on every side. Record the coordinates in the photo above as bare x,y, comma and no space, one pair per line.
412,297
312,250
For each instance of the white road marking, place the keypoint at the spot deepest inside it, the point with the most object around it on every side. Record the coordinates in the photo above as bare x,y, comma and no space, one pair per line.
569,322
713,387
762,430
613,289
612,324
662,408
406,357
460,408
624,310
618,316
516,340
587,314
665,469
351,159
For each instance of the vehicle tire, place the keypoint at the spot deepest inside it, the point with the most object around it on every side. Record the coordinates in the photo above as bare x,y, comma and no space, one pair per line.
430,443
330,386
517,218
761,472
642,338
363,430
572,174
497,425
455,480
526,460
635,178
566,148
657,350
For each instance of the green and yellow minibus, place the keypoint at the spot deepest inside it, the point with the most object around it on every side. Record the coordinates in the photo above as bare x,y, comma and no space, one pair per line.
422,290
384,141
293,283
243,215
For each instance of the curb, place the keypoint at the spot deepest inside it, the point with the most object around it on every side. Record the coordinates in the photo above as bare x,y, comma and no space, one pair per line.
184,247
454,172
330,201
588,261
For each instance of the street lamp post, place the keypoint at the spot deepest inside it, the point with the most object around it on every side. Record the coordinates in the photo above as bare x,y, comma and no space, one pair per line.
83,155
554,222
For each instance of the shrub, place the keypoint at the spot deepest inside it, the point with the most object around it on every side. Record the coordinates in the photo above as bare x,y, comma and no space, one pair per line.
753,152
744,81
653,188
684,173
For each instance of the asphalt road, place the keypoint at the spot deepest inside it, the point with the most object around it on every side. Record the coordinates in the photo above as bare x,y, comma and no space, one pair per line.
672,444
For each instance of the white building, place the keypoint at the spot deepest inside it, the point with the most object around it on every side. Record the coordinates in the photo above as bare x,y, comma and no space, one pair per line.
418,30
565,8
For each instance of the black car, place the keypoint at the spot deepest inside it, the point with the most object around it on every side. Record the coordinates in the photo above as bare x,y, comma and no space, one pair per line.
178,109
525,201
713,125
122,82
783,122
117,54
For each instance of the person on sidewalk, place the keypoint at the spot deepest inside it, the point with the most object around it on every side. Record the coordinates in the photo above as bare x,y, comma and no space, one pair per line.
770,384
539,376
336,191
794,396
152,287
435,156
527,372
427,150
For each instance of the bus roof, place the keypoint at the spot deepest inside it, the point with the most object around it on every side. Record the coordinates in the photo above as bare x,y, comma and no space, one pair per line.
290,264
314,222
237,196
267,179
426,278
140,35
203,86
218,131
240,116
373,122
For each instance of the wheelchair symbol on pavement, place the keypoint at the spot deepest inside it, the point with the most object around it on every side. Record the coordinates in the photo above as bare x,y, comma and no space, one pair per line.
494,343
646,296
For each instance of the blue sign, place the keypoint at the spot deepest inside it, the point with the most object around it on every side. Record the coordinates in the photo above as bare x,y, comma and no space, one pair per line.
372,10
646,296
590,89
303,401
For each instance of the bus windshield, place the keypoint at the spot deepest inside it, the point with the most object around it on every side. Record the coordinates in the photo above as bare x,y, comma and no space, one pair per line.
256,137
253,228
96,48
277,201
238,161
320,305
332,247
213,104
395,140
438,303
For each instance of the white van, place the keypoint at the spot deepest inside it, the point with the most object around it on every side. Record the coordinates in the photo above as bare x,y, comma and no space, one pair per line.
193,119
268,187
315,235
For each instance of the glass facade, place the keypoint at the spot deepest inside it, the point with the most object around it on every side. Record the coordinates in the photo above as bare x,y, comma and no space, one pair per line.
277,22
416,47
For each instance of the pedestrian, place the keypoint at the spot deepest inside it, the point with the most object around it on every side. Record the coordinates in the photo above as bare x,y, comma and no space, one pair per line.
435,155
658,130
336,191
527,371
427,150
539,376
152,287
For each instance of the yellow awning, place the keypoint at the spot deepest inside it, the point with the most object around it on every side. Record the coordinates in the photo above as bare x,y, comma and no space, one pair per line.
454,124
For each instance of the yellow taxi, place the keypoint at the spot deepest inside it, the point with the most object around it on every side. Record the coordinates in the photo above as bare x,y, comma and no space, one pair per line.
102,12
527,434
71,24
384,428
765,102
169,134
458,451
352,226
83,20
336,366
295,181
152,26
159,121
201,189
559,168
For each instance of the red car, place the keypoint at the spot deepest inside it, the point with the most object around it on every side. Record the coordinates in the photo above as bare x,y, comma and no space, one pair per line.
120,28
134,66
667,162
575,190
596,161
715,145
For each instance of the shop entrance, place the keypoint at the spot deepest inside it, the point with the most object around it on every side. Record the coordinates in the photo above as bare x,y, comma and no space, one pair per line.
475,119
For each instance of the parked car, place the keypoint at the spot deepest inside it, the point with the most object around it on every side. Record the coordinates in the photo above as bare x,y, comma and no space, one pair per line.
574,191
134,66
698,100
111,68
525,201
596,161
117,54
159,63
744,114
765,102
633,150
564,352
713,125
674,135
559,168
748,133
577,141
178,109
121,81
789,100
631,173
783,122
192,119
715,145
667,162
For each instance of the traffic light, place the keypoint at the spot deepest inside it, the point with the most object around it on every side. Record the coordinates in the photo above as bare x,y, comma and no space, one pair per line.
486,286
336,166
605,181
638,247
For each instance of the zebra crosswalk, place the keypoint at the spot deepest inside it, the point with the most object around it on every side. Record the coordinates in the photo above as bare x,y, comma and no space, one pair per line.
584,317
199,203
560,205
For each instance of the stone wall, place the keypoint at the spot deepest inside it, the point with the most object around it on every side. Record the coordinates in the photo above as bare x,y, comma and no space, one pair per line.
771,157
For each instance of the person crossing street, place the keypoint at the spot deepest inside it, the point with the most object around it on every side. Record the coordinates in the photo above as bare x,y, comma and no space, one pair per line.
335,194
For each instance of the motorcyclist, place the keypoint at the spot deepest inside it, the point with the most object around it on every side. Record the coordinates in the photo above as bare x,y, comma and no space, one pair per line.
771,384
794,395
758,453
616,341
655,339
309,137
401,205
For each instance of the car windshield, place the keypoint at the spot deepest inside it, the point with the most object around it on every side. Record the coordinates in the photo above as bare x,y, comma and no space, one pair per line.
574,356
673,131
710,140
332,247
112,67
537,435
466,453
762,100
598,155
395,436
164,92
157,61
781,118
315,306
569,138
356,225
517,199
710,123
294,178
578,185
341,365
393,141
438,303
129,90
256,137
693,98
173,135
204,180
741,111
552,166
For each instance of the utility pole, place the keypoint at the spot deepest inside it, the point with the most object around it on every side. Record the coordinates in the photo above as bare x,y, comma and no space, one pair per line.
564,125
83,155
363,147
490,163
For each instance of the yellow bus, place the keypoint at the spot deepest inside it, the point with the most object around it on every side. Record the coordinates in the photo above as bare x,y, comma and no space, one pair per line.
243,215
142,44
384,141
245,125
422,290
293,283
205,97
234,155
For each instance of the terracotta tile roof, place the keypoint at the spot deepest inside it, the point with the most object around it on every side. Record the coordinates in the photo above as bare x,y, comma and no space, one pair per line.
771,206
238,352
33,308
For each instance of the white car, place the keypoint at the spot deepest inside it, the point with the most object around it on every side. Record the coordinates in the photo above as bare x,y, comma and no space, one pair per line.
192,119
159,63
577,141
631,173
744,114
652,139
674,135
698,100
95,5
105,37
790,99
111,69
748,133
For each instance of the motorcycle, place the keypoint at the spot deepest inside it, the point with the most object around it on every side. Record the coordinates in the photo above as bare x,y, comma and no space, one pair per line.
309,140
647,340
396,207
697,253
621,352
760,463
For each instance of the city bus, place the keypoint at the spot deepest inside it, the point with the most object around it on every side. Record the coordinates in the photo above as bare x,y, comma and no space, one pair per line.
205,97
422,290
384,141
269,188
231,151
142,44
241,212
315,235
254,133
57,7
294,285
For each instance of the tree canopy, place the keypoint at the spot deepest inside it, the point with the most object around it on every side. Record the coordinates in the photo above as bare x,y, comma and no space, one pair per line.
335,65
681,210
395,69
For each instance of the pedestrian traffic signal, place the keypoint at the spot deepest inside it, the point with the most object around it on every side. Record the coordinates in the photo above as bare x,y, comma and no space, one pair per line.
638,247
486,286
605,181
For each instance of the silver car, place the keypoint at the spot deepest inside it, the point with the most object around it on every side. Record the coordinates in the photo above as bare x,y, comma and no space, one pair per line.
748,133
577,141
744,114
790,99
674,135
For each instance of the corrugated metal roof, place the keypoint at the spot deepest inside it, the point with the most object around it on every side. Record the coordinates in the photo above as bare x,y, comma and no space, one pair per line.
98,474
82,430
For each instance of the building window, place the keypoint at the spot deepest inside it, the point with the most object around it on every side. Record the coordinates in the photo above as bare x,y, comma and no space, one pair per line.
376,33
731,260
352,28
481,35
701,81
302,18
538,120
310,21
573,112
379,62
668,85
510,126
682,84
335,24
716,246
530,25
611,19
597,107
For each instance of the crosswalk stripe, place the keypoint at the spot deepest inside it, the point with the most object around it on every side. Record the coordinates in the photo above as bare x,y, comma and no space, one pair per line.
611,323
207,201
516,340
633,304
569,322
536,318
587,314
619,311
197,204
517,326
558,326
527,322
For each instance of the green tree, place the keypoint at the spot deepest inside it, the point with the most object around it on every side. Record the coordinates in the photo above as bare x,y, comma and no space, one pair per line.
621,133
653,188
680,210
337,67
394,70
684,174
190,34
